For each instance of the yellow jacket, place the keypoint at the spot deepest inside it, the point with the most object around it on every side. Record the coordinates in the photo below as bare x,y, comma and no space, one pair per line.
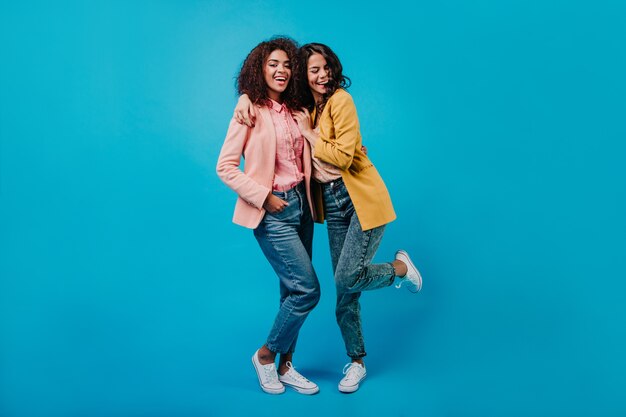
339,144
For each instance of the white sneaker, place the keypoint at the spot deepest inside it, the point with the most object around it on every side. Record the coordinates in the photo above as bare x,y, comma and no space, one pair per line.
295,380
268,377
412,276
355,373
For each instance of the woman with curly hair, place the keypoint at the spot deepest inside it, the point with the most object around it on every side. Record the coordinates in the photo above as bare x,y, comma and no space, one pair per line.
274,193
356,203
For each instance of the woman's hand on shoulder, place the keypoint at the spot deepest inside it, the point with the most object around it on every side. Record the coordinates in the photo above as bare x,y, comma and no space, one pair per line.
303,118
245,113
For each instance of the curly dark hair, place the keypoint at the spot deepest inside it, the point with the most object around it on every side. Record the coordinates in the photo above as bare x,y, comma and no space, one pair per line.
250,79
336,78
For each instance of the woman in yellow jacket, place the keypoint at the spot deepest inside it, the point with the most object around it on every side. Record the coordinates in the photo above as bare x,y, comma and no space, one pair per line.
353,200
356,202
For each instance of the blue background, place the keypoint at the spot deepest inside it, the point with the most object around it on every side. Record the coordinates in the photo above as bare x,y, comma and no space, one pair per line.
498,126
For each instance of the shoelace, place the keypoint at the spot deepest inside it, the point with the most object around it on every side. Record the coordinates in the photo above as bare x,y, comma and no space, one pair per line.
295,374
270,373
412,289
351,371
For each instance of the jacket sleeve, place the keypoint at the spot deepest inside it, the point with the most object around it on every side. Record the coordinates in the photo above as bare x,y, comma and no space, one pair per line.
340,151
228,166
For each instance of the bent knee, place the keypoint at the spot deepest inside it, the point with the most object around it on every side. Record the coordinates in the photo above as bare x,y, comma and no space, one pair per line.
348,283
310,297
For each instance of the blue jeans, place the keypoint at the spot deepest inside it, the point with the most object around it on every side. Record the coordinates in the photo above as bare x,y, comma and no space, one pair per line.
352,251
286,239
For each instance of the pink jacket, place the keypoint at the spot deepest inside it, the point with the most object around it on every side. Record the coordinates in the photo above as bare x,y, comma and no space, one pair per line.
258,147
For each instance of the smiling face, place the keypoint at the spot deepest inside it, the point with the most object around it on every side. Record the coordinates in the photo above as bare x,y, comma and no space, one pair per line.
318,74
277,73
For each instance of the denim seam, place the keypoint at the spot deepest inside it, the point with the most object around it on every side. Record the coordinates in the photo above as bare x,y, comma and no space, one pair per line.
294,297
393,273
367,235
364,247
301,201
336,193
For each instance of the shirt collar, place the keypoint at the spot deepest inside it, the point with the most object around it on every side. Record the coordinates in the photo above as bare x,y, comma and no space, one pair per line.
277,107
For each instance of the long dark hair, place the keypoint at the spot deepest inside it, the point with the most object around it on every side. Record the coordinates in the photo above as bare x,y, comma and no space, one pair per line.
336,78
250,79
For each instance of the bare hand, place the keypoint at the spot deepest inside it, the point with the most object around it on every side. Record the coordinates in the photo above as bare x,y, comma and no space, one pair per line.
364,149
244,111
274,204
303,118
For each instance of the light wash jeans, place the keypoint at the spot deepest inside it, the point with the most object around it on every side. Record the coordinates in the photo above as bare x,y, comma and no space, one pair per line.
352,251
286,239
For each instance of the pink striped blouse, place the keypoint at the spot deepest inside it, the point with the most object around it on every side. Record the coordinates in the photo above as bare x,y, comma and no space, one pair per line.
289,146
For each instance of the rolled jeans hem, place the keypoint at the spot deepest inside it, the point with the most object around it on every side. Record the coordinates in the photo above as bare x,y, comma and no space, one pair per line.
276,350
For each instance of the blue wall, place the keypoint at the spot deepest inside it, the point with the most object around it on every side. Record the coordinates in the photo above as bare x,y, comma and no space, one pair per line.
499,128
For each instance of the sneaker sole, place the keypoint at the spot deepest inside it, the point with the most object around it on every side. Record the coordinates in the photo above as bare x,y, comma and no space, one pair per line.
348,390
265,389
305,391
408,261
